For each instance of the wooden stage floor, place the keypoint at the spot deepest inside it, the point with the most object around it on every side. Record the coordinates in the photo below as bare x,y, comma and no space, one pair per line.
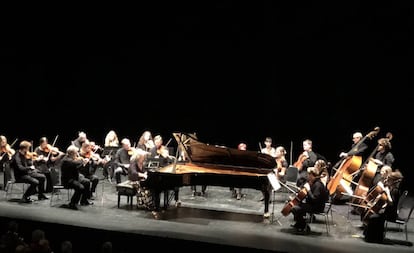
210,222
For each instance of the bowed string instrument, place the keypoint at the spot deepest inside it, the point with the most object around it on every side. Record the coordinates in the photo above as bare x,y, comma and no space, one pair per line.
348,167
369,169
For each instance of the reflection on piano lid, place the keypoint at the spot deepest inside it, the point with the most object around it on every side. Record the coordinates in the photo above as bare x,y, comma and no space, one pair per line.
199,152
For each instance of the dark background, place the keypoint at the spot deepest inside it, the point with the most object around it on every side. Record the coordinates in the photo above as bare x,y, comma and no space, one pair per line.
228,71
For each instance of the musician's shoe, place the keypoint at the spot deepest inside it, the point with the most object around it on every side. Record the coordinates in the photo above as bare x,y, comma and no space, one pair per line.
86,203
42,197
238,197
266,215
72,206
26,200
262,199
178,203
193,194
234,194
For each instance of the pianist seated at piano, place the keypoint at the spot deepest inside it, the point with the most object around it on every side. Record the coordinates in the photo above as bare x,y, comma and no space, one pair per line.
137,173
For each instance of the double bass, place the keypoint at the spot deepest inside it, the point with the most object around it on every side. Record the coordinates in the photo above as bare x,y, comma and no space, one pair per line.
340,183
369,169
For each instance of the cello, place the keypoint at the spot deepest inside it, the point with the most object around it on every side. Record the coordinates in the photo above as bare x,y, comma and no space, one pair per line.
374,202
296,200
343,177
368,173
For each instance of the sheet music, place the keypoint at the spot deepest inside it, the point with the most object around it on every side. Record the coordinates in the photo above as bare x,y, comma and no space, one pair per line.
273,181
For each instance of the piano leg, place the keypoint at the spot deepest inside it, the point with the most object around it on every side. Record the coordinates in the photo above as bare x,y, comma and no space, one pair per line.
157,200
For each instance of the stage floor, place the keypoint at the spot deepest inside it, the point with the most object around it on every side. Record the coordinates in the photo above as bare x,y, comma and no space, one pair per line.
214,221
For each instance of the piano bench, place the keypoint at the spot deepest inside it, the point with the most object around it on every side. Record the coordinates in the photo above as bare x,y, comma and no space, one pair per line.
126,189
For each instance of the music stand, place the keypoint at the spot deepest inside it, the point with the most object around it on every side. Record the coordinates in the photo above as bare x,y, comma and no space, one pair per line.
109,151
275,186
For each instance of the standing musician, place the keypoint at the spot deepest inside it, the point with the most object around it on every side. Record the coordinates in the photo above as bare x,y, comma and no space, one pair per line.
358,149
317,195
47,157
25,171
121,161
383,157
237,193
6,154
305,160
71,178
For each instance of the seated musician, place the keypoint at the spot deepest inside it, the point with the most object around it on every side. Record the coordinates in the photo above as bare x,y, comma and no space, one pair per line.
82,137
71,178
47,158
6,154
121,161
305,160
374,216
24,171
161,152
136,174
88,170
315,200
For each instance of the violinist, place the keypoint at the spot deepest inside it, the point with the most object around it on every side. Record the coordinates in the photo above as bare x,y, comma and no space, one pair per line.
145,142
160,151
317,195
80,139
94,162
25,171
122,159
305,160
71,178
47,158
6,154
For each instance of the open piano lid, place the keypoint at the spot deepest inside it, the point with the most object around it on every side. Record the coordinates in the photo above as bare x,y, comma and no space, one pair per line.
198,152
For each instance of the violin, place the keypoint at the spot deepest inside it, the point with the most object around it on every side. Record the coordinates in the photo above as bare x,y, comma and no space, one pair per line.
49,148
31,155
7,150
163,151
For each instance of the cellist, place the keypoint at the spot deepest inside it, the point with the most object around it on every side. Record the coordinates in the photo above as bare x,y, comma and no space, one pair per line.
380,209
316,197
305,160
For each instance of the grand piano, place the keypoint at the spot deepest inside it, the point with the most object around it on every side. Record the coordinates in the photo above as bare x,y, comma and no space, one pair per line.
212,165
